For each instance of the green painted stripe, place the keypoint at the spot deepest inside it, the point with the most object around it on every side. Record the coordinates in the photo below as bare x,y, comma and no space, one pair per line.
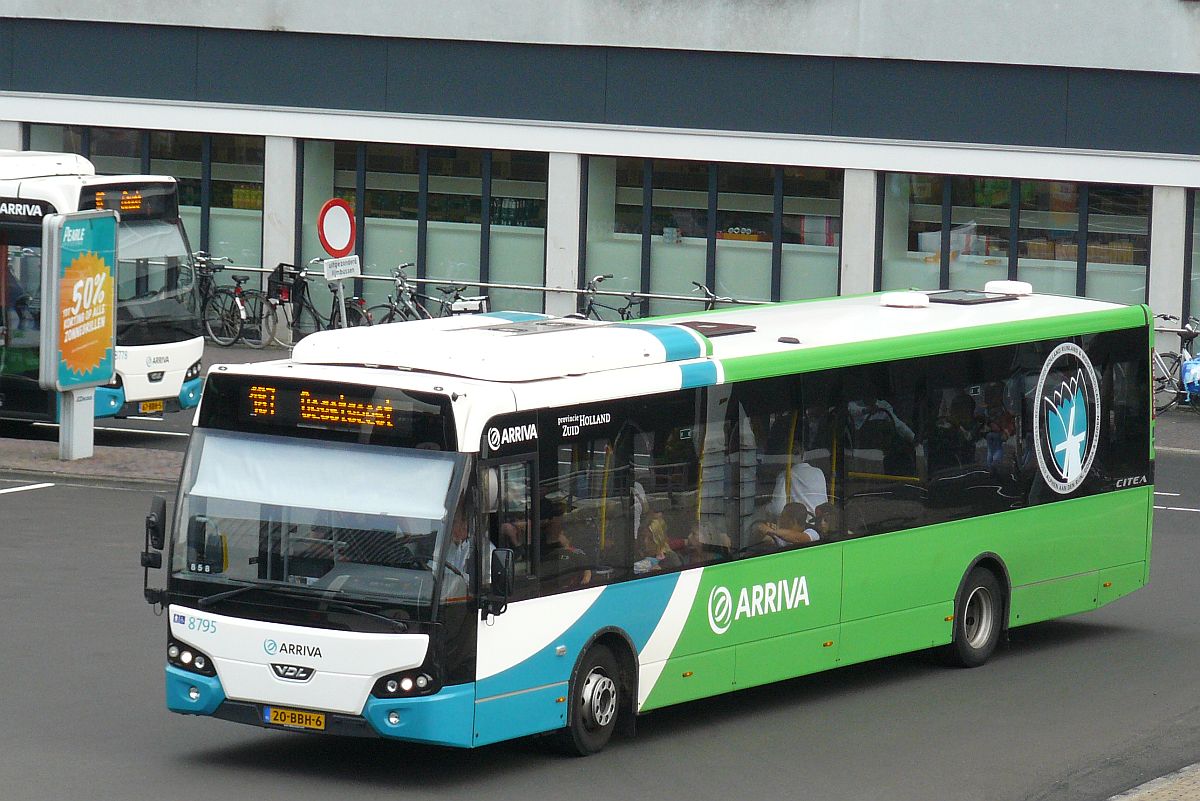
906,347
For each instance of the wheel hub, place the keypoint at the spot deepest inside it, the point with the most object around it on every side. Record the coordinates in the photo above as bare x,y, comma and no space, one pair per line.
599,700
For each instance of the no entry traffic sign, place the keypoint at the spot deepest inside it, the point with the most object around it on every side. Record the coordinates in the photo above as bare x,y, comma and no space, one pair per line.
335,227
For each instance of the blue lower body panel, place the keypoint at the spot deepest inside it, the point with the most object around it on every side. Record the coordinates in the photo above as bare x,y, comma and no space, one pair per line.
447,718
180,683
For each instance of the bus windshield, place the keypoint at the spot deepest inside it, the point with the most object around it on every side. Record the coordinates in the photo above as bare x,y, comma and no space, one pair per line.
370,529
156,300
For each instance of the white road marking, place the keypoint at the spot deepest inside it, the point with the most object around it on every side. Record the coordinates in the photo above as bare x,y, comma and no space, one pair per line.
1171,494
1176,509
127,430
26,487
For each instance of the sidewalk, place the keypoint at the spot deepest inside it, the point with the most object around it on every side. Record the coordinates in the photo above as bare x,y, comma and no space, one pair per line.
39,459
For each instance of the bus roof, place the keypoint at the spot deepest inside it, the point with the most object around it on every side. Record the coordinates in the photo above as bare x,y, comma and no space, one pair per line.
709,347
16,165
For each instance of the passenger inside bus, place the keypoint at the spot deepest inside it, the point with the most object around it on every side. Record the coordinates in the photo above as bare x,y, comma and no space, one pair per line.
562,564
654,553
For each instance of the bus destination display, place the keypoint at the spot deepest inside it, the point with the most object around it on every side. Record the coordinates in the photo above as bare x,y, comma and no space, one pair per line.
300,406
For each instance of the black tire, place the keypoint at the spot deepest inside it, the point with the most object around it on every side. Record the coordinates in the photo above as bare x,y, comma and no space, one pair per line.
222,317
978,613
1166,387
595,704
383,313
259,326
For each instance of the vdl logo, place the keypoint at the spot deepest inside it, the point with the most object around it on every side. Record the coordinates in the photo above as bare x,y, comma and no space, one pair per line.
271,647
1067,421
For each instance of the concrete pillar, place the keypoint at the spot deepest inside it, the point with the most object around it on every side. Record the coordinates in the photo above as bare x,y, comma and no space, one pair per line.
279,200
1167,244
859,189
562,232
10,135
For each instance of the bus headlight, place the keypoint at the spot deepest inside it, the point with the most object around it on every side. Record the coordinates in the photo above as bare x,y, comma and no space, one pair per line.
407,684
184,656
193,372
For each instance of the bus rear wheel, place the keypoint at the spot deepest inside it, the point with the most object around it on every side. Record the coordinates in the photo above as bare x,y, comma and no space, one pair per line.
977,619
595,699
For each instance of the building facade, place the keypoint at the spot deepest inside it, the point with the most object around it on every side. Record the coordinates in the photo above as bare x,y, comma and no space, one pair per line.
767,149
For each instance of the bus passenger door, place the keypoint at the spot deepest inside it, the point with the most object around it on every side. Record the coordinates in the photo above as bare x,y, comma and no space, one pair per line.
519,677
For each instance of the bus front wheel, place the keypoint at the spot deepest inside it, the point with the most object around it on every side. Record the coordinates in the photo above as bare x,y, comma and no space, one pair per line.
595,698
977,619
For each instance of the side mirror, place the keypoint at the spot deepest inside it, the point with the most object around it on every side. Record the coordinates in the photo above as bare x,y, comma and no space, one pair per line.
156,528
156,523
503,570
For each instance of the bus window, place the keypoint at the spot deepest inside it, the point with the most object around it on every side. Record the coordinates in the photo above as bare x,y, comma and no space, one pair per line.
511,520
883,488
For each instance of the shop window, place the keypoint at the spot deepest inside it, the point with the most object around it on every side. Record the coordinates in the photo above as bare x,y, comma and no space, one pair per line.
980,222
116,151
517,228
912,231
812,232
236,206
180,154
1048,237
1118,242
745,230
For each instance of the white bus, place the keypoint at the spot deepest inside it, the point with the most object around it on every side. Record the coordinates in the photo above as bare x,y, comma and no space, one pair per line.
159,342
474,528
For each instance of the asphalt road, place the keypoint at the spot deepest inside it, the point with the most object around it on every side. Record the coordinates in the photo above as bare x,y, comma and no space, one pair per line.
1080,708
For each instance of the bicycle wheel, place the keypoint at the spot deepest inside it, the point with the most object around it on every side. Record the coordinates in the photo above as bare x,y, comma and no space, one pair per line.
355,316
222,318
1166,384
259,326
383,313
278,311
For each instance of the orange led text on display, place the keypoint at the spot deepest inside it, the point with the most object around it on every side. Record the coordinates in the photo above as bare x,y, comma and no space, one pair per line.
346,412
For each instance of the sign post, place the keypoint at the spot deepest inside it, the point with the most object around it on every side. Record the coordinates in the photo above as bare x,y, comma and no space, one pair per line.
335,229
79,270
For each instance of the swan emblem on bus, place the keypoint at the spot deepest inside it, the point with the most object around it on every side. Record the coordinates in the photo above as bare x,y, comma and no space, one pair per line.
1067,422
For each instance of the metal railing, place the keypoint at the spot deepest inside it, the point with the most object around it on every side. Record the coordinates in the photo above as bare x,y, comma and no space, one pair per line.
231,268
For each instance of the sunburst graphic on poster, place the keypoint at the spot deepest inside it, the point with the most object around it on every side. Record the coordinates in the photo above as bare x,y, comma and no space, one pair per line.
86,320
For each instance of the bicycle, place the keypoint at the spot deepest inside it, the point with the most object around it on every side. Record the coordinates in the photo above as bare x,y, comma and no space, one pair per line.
404,305
711,299
454,302
231,313
290,293
1169,388
220,308
590,307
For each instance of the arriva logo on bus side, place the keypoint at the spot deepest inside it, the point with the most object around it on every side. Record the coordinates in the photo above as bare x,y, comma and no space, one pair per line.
507,436
760,599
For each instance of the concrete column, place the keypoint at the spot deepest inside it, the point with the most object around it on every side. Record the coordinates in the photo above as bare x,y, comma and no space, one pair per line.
859,189
279,200
10,135
562,232
1167,244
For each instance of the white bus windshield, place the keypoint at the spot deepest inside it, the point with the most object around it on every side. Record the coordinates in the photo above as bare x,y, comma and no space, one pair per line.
342,519
156,300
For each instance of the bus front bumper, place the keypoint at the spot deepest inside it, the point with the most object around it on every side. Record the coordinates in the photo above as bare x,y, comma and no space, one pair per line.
110,401
445,718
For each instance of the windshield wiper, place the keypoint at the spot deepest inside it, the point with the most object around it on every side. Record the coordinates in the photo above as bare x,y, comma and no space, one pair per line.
207,601
398,625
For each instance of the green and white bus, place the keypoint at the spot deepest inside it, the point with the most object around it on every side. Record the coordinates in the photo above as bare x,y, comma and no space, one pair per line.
470,529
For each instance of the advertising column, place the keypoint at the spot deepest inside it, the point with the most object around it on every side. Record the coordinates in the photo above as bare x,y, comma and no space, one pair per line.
79,265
